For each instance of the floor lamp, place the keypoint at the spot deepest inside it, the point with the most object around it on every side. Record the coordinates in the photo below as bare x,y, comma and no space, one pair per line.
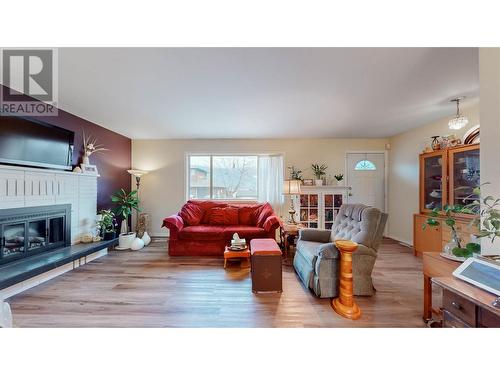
137,173
291,188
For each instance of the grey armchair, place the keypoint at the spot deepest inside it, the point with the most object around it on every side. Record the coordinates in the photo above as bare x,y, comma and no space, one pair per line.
317,259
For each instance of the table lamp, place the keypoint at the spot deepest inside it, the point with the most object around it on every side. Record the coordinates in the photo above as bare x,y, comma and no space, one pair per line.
291,188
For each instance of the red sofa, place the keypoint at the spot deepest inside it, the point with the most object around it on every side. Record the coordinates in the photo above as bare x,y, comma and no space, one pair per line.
206,227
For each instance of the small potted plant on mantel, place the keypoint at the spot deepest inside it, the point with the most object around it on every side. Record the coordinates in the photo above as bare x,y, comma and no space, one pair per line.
319,172
295,173
339,177
125,204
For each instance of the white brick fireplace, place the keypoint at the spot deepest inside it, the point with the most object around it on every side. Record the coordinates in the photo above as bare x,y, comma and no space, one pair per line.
30,187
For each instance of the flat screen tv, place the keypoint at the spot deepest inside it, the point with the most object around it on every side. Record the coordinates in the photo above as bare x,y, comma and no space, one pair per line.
34,143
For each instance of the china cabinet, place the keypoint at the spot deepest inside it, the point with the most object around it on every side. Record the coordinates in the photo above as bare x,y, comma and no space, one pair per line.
447,177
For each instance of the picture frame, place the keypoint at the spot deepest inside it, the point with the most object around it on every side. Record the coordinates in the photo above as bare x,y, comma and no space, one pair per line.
308,182
484,275
89,169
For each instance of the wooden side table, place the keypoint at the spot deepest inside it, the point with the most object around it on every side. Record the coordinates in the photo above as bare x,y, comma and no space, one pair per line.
344,304
243,256
288,234
434,265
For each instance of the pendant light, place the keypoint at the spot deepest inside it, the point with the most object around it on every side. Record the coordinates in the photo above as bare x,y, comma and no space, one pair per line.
459,121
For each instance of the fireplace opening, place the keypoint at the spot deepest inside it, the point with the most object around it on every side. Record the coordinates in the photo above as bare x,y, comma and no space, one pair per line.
31,230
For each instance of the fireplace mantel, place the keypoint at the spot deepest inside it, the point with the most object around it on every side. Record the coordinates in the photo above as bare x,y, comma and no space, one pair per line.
32,187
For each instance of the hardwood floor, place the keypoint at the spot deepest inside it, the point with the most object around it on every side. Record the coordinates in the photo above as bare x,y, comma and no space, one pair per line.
150,289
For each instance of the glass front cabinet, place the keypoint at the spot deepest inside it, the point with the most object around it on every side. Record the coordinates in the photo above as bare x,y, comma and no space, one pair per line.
317,206
448,177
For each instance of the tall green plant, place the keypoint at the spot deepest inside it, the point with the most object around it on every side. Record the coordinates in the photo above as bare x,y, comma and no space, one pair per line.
125,203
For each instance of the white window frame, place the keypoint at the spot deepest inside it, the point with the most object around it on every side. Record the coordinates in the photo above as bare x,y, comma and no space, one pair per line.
211,155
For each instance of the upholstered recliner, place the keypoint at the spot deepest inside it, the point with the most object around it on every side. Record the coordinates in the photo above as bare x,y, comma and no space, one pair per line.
317,259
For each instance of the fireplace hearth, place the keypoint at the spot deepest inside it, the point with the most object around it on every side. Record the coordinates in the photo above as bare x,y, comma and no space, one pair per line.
29,231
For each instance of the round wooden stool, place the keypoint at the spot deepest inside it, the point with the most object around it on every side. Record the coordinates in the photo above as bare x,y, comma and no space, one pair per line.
344,304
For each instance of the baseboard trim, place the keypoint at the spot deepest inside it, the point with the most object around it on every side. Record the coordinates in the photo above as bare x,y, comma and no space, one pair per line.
401,240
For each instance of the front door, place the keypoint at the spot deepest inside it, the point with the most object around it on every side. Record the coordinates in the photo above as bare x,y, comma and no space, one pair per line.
366,177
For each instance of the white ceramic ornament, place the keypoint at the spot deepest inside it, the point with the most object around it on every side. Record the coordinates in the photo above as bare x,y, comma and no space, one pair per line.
137,244
146,239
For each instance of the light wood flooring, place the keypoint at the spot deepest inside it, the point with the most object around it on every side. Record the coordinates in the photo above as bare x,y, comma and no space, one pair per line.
150,289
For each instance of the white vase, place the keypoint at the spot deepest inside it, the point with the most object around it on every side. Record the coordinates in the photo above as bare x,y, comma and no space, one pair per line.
146,238
125,240
137,244
85,160
124,227
340,183
318,182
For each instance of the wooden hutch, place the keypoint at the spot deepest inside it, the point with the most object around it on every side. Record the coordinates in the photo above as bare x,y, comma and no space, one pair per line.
446,177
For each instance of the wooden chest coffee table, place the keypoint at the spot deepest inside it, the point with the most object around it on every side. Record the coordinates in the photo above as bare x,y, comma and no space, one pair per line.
243,256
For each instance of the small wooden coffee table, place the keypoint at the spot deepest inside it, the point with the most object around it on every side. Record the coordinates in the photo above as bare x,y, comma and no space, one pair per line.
242,255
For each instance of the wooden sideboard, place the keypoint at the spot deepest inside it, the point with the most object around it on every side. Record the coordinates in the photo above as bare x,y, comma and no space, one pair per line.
433,239
465,305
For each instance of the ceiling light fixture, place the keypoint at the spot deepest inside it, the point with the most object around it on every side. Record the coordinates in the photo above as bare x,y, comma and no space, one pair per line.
459,121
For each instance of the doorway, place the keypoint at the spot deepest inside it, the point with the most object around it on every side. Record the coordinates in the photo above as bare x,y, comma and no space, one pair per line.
366,176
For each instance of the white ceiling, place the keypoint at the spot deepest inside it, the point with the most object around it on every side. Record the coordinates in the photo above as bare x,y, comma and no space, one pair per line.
264,92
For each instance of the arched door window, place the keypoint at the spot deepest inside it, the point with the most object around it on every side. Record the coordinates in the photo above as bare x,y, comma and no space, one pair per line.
365,165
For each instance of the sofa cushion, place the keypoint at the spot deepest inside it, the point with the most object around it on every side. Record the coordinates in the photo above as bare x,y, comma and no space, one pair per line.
191,214
262,213
223,216
202,232
205,207
246,214
244,231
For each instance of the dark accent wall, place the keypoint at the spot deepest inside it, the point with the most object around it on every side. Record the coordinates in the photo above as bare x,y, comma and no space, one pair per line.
112,164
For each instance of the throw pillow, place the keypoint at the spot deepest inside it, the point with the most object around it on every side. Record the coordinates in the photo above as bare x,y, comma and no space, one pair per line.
262,214
246,215
223,216
191,214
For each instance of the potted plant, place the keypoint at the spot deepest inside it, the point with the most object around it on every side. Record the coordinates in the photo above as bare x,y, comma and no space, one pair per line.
107,224
339,177
488,219
295,174
125,204
454,247
319,172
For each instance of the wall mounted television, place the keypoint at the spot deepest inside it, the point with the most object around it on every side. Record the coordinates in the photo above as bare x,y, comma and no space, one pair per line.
28,142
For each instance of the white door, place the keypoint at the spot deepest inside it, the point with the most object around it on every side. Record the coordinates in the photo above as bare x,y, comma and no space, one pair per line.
366,177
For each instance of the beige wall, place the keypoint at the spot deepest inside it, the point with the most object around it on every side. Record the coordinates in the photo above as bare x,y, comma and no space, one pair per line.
489,81
163,189
403,195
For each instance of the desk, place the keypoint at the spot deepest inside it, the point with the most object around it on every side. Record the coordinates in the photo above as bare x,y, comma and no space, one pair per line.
434,265
466,305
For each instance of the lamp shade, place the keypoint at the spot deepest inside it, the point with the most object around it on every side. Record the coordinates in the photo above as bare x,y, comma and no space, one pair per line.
137,172
291,187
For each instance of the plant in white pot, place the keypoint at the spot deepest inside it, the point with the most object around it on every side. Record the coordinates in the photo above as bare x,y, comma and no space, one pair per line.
125,204
319,172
